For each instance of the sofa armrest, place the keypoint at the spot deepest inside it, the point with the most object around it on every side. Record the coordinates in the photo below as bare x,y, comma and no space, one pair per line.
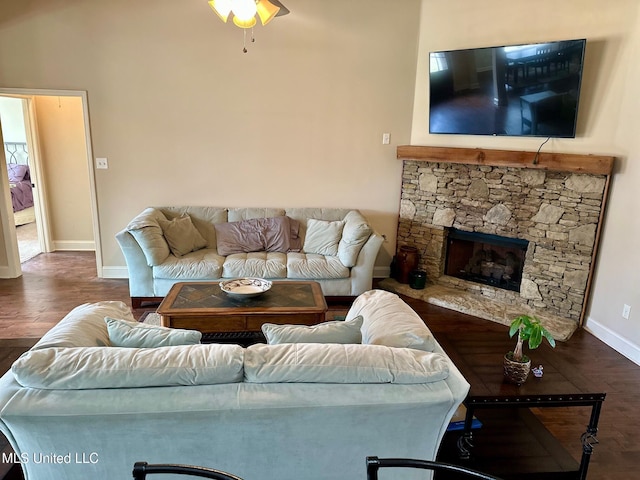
140,273
362,271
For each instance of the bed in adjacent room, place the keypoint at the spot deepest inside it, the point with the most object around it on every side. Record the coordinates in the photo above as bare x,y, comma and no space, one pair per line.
17,158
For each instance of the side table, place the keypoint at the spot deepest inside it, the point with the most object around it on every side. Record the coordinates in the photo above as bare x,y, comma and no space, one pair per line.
480,361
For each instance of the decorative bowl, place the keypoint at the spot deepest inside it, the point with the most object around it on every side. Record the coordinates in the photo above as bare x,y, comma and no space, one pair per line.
246,287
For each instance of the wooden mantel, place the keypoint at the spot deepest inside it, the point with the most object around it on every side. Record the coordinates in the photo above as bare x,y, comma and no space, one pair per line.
558,162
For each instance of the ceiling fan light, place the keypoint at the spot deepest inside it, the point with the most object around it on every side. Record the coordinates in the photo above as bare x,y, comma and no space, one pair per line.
244,23
222,8
244,10
266,11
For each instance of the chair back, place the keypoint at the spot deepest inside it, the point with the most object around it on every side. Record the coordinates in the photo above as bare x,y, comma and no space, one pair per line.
375,463
142,469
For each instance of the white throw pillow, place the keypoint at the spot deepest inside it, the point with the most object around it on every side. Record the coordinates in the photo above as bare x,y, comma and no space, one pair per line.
139,335
323,237
112,367
355,234
335,363
327,332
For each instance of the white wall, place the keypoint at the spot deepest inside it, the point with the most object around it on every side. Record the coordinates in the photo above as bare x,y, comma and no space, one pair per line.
607,122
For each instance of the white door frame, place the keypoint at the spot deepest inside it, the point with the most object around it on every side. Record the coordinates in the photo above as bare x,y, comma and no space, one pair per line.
9,230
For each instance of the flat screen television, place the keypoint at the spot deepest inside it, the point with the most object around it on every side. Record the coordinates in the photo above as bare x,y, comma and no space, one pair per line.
518,90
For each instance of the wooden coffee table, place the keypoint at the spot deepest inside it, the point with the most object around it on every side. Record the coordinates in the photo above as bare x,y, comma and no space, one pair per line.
205,307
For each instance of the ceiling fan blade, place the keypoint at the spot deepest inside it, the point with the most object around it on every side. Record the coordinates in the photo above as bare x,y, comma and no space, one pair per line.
283,10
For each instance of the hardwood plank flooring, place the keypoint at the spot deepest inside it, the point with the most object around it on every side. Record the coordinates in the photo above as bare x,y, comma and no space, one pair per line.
52,284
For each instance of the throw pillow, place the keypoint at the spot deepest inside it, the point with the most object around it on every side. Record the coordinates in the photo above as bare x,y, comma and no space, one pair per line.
182,236
326,332
110,367
355,234
323,237
333,363
139,335
270,234
295,240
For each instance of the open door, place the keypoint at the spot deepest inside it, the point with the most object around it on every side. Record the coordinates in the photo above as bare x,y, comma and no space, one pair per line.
49,121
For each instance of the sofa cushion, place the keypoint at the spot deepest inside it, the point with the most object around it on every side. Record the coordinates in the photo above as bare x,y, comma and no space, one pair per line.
128,334
113,367
255,264
338,363
301,266
387,320
181,235
145,228
354,235
199,265
84,326
323,237
325,332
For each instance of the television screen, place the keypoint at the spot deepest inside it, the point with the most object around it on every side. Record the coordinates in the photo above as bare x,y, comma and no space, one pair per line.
520,90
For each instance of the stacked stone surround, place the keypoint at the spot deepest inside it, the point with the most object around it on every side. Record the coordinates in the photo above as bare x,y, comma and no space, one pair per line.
557,212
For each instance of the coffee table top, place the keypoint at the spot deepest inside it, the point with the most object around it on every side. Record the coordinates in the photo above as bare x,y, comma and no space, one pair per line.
205,297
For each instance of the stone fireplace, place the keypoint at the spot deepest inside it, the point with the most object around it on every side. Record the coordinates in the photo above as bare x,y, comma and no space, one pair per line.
540,213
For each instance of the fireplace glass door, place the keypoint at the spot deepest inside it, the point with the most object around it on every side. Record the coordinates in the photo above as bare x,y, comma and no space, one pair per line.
486,259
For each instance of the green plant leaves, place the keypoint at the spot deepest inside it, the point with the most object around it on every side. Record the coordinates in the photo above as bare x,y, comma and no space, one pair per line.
531,331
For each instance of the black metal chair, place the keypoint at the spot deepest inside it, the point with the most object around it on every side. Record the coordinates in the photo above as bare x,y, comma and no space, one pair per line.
375,463
142,469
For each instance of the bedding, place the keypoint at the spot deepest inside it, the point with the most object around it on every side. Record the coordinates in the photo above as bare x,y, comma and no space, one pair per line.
20,184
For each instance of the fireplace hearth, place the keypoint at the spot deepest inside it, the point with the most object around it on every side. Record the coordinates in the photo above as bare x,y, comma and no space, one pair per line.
487,259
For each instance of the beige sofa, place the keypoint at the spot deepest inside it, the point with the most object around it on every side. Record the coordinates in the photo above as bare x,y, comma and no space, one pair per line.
280,411
164,245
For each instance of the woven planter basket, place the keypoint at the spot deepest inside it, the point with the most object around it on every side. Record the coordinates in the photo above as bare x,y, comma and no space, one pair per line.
516,372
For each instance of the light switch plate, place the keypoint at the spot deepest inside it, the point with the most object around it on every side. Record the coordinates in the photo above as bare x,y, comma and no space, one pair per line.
102,163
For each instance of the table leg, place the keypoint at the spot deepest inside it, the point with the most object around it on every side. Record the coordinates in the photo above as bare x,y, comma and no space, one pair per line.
465,442
589,440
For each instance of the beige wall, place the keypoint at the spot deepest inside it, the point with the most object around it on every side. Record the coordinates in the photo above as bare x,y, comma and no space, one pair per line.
65,170
185,117
607,122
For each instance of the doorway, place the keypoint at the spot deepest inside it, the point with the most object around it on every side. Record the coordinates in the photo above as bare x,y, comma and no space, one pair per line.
65,206
20,159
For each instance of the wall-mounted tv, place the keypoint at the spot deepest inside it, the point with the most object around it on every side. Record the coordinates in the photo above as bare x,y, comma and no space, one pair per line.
519,90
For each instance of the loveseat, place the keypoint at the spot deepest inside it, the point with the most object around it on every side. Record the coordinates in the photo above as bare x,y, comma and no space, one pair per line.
164,245
76,406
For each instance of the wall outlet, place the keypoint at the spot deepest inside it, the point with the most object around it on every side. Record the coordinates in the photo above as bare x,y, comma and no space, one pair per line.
626,311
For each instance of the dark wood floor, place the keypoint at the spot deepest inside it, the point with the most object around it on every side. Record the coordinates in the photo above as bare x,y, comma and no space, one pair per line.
53,284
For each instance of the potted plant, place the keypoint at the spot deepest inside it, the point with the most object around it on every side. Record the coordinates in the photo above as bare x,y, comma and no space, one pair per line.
529,329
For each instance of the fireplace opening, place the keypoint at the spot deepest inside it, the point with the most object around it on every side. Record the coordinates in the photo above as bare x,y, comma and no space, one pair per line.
487,259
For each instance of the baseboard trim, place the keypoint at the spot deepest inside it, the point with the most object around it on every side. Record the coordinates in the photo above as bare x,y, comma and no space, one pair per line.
115,272
614,340
71,245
